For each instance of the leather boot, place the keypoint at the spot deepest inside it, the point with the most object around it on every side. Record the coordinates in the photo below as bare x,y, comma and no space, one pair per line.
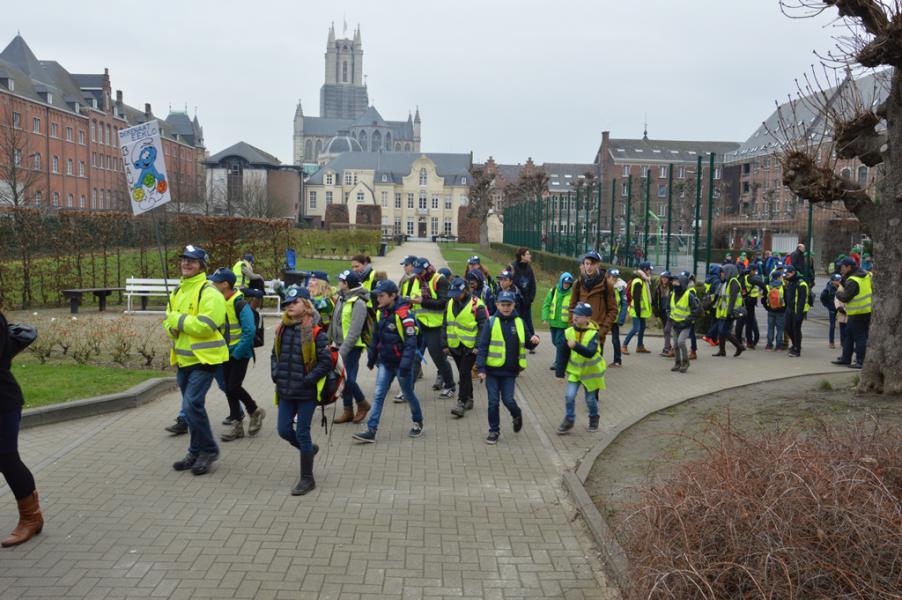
642,350
363,407
306,483
735,341
31,521
345,417
722,343
693,355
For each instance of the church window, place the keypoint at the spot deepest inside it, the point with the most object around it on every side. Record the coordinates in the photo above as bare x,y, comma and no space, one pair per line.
423,177
362,139
397,146
422,200
409,200
385,199
329,178
360,196
348,179
435,202
312,199
377,142
344,71
398,201
388,142
308,150
319,148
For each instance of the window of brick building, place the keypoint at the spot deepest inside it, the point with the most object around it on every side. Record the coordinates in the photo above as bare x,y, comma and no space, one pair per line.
54,130
17,120
93,131
662,172
81,201
69,135
81,168
56,199
37,161
56,164
70,201
626,170
662,190
38,197
17,157
81,137
68,166
36,125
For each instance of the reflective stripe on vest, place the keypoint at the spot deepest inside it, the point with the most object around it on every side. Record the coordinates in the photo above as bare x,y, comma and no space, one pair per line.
722,309
861,303
753,290
462,327
496,353
679,309
347,309
231,329
431,317
588,371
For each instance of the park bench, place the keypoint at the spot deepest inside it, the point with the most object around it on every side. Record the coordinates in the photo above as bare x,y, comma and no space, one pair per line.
74,295
146,288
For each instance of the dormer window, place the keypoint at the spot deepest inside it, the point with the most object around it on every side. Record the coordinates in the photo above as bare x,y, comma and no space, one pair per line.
329,179
49,98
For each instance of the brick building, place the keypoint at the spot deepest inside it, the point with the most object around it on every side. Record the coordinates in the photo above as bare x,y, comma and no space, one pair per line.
59,135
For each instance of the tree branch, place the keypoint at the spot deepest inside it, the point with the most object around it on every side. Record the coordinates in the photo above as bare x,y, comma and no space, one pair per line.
870,12
858,138
815,183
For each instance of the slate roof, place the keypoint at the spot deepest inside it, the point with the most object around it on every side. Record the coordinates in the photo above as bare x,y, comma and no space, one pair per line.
325,126
666,151
397,165
328,127
371,118
188,130
251,154
562,175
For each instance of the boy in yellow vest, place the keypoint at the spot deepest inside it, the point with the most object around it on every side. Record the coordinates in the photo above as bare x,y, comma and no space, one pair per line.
464,321
501,355
584,366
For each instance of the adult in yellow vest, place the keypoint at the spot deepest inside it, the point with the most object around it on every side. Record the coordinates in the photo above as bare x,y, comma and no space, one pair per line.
685,308
464,320
640,307
244,271
727,303
751,293
856,293
362,265
796,292
584,367
194,315
346,333
501,357
238,329
433,300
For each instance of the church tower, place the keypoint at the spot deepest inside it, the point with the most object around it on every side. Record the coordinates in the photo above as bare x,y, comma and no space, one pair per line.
343,95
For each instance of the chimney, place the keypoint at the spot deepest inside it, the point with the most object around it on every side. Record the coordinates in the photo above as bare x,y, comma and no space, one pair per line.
147,111
119,98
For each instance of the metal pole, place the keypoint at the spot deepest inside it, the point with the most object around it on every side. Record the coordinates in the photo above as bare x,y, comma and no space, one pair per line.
576,249
669,210
629,211
613,214
645,223
586,203
598,220
560,224
710,210
698,214
541,222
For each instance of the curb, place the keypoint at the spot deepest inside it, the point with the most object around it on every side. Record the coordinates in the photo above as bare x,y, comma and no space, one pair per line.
574,481
134,397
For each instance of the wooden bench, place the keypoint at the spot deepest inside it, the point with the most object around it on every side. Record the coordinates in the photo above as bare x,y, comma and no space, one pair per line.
146,288
74,296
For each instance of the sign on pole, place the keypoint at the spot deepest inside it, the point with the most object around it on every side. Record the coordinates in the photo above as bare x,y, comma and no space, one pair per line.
145,167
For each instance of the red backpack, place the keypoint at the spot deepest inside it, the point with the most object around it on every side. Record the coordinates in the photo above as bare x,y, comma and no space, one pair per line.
335,380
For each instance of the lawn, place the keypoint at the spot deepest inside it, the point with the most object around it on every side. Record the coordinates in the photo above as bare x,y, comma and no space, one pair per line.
54,382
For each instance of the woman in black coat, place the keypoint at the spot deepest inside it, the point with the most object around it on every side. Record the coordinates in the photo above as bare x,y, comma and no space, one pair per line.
18,477
525,280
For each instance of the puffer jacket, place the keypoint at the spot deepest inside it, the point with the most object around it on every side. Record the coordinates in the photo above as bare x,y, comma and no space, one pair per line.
292,379
390,346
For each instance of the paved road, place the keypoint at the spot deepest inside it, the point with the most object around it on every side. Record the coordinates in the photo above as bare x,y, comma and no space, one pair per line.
443,516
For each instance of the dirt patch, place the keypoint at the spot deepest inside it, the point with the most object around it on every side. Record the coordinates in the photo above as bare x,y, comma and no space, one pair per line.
654,448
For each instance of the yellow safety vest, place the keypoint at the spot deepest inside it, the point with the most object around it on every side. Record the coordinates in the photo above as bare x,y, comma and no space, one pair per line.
861,303
431,317
805,284
588,371
462,327
753,290
722,309
645,310
565,304
231,328
679,309
192,323
369,283
347,308
240,279
496,354
411,289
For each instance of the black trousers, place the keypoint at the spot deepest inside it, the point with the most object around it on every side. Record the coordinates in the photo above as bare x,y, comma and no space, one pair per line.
233,373
17,475
749,324
464,359
794,331
856,338
431,339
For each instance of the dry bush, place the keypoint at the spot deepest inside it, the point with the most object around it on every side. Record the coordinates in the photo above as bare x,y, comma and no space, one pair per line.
778,516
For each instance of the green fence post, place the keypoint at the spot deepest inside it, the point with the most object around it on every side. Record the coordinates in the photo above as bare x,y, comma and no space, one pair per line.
669,210
710,210
613,214
598,219
586,203
568,248
560,224
541,222
698,215
629,215
645,223
576,225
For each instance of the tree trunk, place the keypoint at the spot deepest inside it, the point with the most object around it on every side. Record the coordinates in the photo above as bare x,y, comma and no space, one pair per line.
484,232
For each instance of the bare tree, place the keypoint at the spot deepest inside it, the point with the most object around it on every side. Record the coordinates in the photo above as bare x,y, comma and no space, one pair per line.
20,174
528,186
858,128
254,201
481,200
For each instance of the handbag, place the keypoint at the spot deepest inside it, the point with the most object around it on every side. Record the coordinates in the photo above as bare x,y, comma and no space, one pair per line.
21,337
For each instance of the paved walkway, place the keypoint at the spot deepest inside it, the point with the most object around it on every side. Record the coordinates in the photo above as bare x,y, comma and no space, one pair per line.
443,516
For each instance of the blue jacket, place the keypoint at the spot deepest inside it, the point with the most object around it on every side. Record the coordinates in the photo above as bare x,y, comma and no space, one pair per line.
390,347
624,307
511,366
827,296
245,346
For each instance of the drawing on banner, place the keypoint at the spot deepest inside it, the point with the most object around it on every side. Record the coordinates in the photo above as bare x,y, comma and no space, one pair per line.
145,167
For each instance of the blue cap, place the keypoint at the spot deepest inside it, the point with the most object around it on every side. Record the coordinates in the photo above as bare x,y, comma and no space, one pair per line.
645,266
349,277
614,272
386,286
566,278
836,277
848,261
666,274
223,274
458,286
473,260
294,293
445,271
320,275
420,265
714,269
685,274
505,275
789,269
583,309
408,260
506,297
252,292
591,255
249,257
196,253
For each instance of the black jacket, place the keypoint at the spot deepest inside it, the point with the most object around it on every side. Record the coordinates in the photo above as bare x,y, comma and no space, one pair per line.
511,367
795,295
525,280
388,347
441,289
292,380
481,314
10,392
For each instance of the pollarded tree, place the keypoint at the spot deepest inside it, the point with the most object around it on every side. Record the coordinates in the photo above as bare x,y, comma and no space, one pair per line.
481,200
872,133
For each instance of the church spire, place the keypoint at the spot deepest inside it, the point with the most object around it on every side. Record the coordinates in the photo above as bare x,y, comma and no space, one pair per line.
331,34
416,118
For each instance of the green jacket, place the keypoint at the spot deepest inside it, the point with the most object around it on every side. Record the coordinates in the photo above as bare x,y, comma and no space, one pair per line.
555,309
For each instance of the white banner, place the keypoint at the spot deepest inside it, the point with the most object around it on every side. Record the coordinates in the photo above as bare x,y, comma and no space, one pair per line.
145,167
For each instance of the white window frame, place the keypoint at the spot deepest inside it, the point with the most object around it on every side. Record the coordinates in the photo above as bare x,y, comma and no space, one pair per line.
435,202
384,199
410,200
328,198
398,200
311,198
36,125
448,226
626,171
361,197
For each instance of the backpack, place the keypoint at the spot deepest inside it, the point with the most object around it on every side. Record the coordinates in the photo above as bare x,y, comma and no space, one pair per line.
366,334
259,338
775,299
335,380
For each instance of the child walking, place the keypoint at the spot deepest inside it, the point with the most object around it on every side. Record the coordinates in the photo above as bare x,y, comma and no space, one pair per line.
584,367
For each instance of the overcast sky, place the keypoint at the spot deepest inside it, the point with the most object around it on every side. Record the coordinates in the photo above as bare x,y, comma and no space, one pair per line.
511,78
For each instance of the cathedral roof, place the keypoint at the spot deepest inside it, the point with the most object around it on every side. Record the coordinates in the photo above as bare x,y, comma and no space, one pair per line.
371,118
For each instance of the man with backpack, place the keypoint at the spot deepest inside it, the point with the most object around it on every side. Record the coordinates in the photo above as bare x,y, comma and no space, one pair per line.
774,303
797,306
464,319
349,331
394,350
433,299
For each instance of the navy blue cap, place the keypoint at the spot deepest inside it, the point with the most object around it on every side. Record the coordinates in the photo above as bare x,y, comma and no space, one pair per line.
836,277
506,297
714,269
591,255
252,292
320,275
848,261
614,272
685,274
349,277
473,260
445,271
789,269
386,286
421,265
645,266
583,309
458,286
294,293
223,274
505,275
195,252
666,274
249,257
409,260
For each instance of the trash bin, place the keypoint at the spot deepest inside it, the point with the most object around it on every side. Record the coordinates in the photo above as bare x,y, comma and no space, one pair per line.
383,248
295,277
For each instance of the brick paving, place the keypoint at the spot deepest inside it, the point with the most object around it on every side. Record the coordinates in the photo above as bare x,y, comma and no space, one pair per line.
442,516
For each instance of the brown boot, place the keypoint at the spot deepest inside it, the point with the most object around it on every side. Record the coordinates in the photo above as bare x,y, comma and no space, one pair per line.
346,417
693,355
363,407
31,522
641,350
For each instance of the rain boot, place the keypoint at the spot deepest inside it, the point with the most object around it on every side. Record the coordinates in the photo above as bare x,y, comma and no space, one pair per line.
306,482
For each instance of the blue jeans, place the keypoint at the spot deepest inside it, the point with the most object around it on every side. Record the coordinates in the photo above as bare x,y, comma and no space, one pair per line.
194,384
615,340
300,438
558,339
384,376
693,342
501,389
570,400
352,391
775,323
638,327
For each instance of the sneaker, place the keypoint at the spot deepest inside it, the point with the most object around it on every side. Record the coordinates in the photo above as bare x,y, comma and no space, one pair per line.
230,421
518,424
841,362
769,347
203,463
399,398
492,438
235,431
416,430
459,410
256,421
856,365
186,463
468,405
616,364
565,427
447,393
179,427
593,423
693,355
793,354
368,436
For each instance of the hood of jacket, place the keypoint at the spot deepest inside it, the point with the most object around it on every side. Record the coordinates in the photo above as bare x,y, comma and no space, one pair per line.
359,292
683,287
730,271
619,285
560,282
